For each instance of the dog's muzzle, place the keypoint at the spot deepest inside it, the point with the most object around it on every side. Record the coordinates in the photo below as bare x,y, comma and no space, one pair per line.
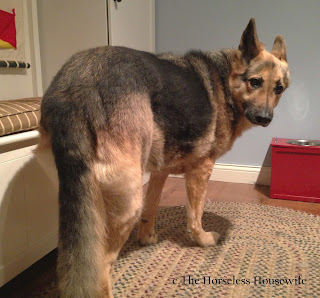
261,117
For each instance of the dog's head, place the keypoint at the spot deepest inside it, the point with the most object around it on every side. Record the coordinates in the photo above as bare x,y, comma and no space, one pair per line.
259,77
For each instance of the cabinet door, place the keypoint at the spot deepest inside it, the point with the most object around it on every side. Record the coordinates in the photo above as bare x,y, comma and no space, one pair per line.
13,218
132,24
42,203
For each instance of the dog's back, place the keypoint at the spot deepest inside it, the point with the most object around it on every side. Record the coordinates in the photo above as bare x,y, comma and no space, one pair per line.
98,85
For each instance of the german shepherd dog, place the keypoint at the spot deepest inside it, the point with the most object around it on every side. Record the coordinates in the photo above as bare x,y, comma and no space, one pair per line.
113,113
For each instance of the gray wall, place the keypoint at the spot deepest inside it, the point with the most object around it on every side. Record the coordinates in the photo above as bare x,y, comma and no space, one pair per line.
215,24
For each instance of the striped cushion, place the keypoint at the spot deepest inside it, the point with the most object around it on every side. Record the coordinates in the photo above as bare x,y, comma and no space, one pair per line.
19,115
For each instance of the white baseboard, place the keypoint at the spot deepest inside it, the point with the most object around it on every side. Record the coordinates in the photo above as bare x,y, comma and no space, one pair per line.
240,174
146,178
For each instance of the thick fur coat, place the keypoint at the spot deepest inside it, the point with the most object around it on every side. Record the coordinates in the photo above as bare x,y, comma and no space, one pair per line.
113,113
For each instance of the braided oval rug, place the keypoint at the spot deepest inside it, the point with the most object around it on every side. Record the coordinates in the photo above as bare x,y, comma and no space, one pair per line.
264,251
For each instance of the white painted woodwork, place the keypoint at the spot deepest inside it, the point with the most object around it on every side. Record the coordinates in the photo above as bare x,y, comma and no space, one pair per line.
67,27
239,174
28,209
132,24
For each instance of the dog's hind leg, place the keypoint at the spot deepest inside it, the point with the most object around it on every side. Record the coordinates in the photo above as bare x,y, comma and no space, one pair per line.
197,177
120,177
123,205
146,233
122,153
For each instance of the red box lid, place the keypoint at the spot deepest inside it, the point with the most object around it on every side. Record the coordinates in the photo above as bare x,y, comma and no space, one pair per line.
283,142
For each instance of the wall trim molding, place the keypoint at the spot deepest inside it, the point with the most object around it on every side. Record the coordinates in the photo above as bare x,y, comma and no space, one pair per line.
146,178
239,174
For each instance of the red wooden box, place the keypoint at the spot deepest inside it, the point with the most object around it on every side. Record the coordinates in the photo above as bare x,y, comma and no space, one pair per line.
295,172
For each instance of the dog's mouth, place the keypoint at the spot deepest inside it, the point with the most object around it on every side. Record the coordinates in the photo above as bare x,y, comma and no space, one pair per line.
259,117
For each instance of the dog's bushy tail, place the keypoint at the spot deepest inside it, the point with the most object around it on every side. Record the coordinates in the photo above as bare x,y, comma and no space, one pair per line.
81,235
81,223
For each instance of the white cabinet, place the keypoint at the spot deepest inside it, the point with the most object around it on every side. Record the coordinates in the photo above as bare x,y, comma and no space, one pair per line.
13,218
28,209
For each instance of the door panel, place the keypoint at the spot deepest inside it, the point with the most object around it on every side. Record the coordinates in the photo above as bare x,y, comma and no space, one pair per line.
131,24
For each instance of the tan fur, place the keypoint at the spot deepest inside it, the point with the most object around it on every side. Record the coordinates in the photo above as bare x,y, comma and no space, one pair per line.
156,158
241,91
197,176
146,233
171,57
119,171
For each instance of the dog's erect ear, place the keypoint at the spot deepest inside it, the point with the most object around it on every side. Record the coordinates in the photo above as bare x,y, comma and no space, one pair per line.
250,45
279,48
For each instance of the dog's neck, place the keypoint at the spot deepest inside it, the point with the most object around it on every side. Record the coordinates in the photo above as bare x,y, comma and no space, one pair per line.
226,62
222,62
236,63
217,66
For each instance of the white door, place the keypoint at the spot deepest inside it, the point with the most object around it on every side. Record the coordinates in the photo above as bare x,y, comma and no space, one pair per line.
132,24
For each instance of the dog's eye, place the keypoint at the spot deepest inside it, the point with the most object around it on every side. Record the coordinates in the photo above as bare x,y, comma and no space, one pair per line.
278,89
255,83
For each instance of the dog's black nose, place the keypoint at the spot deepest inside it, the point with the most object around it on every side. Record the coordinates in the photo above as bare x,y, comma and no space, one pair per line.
264,118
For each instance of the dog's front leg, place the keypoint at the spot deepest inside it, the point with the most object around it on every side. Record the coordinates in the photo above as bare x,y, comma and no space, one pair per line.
197,177
146,233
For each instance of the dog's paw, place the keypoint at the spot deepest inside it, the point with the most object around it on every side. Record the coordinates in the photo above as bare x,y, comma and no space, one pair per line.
151,238
207,238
